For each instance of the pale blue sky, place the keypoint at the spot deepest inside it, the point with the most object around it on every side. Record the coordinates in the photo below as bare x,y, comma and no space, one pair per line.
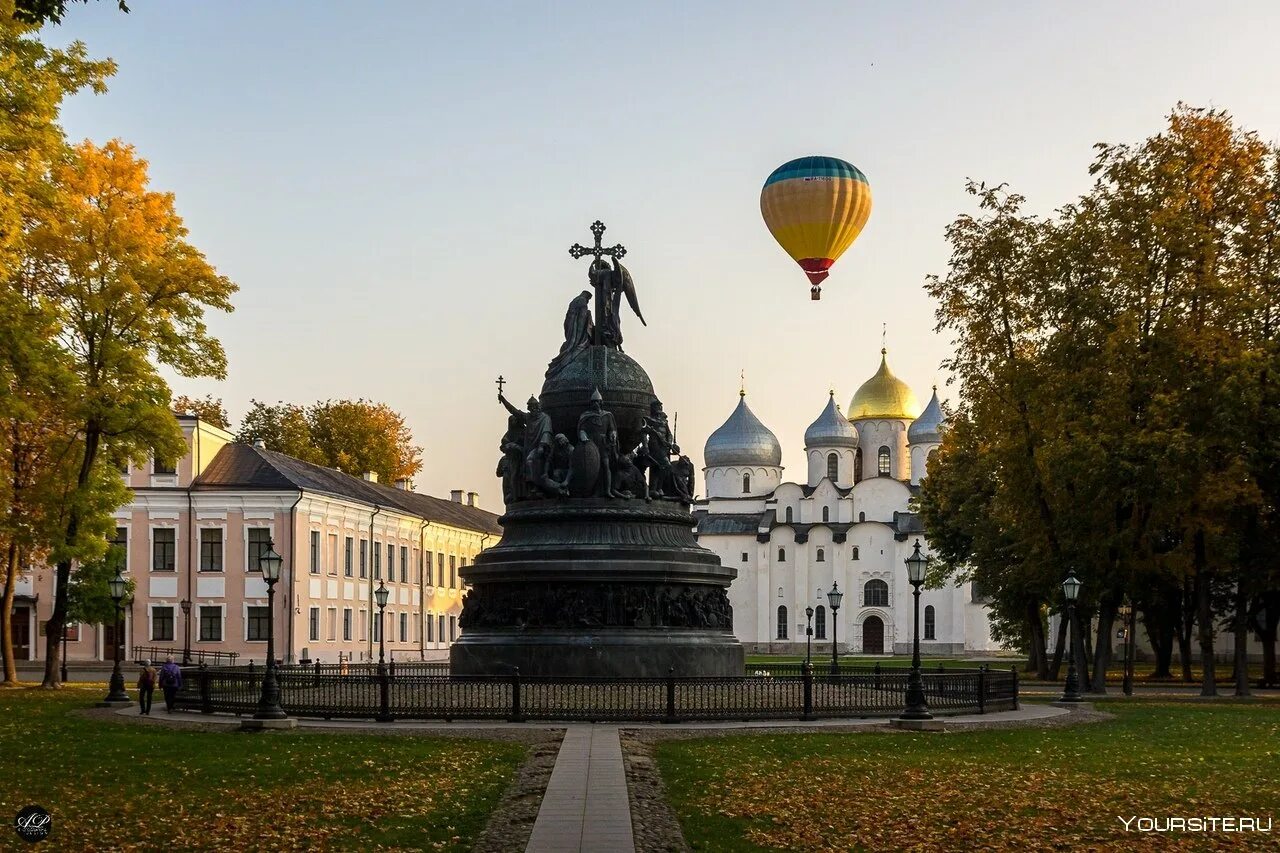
394,185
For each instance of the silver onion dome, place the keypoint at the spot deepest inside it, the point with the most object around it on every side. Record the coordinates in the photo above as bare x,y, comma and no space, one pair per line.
831,429
925,429
742,440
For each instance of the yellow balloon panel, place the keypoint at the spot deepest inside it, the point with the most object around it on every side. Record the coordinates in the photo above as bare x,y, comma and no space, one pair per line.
816,218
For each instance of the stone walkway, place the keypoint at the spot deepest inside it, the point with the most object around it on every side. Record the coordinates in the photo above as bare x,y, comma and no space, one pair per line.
585,808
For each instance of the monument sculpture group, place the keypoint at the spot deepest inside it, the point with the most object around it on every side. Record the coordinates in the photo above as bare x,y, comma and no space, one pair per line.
598,571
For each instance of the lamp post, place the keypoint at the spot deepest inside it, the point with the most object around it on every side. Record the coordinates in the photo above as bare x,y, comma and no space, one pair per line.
117,587
1126,613
269,703
808,635
1071,591
834,597
185,604
380,596
917,708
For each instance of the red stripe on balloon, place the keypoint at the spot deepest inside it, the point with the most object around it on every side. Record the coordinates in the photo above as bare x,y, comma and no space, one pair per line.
816,268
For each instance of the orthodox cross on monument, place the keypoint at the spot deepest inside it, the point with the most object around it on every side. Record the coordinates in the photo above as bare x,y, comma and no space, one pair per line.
603,294
499,382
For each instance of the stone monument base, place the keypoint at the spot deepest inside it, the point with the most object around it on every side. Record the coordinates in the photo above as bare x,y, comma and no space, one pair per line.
615,653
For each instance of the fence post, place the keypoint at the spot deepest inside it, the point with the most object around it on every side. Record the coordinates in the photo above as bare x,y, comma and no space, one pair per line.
807,675
1014,671
206,694
384,698
877,675
317,674
516,715
671,696
982,688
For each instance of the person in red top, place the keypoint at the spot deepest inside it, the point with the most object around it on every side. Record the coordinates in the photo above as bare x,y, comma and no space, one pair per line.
146,686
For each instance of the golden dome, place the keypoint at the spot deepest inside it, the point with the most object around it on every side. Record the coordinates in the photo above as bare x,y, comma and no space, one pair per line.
884,396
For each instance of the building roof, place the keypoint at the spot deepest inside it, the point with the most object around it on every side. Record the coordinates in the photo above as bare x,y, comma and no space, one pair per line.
925,429
831,429
243,466
884,396
742,440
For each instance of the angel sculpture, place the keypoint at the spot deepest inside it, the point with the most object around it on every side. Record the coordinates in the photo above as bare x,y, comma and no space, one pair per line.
611,283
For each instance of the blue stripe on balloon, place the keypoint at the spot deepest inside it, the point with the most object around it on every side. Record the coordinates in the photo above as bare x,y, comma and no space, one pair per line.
815,167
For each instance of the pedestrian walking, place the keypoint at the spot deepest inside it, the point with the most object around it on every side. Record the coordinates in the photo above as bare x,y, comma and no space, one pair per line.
146,686
170,682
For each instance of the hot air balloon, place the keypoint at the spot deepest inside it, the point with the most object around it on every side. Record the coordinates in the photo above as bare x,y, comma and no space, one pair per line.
815,208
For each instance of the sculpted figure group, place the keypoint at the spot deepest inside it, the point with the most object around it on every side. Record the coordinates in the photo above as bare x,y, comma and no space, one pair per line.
538,463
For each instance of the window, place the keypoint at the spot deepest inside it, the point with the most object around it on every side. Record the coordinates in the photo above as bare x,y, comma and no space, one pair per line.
162,624
364,624
782,622
257,624
862,516
857,465
210,624
404,564
440,626
820,622
453,628
159,467
782,555
826,513
404,627
882,461
440,571
854,554
821,556
875,594
421,573
431,629
347,549
417,629
333,553
333,624
744,556
746,483
211,549
788,515
377,561
364,558
377,627
313,624
780,595
164,549
833,467
121,541
453,571
391,562
930,623
346,621
315,553
259,542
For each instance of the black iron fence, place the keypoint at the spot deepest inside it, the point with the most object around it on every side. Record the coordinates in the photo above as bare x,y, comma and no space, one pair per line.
418,691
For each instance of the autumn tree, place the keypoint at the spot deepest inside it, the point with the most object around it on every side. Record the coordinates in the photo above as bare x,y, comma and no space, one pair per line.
207,408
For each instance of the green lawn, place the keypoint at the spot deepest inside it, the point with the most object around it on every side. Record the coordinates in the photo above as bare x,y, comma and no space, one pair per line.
110,785
1028,789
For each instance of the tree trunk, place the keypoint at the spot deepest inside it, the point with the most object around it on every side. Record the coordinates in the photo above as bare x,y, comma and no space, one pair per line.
1059,648
1036,661
1084,651
57,621
1241,641
1102,648
1270,627
1160,632
6,617
1208,684
1186,628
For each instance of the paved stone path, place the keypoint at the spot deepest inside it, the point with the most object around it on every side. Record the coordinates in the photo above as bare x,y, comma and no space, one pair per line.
586,807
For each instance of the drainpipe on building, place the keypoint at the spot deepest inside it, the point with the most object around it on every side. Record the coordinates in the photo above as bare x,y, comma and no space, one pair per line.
422,590
373,611
289,606
191,543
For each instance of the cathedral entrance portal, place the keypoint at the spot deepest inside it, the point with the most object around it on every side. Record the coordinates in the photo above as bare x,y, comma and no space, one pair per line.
872,636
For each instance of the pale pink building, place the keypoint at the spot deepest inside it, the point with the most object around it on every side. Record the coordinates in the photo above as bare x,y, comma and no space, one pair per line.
193,532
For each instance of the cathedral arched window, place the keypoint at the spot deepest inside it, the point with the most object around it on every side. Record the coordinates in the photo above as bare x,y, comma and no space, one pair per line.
875,594
820,622
782,555
826,513
780,595
857,465
930,623
854,554
746,483
782,621
833,467
862,516
788,515
882,462
821,556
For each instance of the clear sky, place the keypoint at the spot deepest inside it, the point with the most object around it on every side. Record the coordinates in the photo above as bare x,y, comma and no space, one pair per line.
394,185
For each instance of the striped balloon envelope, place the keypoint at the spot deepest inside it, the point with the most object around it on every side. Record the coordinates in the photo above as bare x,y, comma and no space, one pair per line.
815,208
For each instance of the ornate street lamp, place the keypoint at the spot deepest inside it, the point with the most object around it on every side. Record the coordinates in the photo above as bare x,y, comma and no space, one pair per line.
1071,591
380,596
917,708
117,586
1126,614
269,703
808,635
185,604
834,597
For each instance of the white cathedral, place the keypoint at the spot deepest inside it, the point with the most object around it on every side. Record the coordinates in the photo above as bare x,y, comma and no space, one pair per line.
848,524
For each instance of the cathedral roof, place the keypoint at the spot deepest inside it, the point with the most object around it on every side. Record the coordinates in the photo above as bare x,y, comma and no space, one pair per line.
924,429
831,429
742,440
884,396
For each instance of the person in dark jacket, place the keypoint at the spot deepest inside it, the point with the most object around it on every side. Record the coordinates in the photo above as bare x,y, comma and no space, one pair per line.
170,682
146,686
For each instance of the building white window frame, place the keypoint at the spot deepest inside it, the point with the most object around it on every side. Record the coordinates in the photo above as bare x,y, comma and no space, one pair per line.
200,530
151,547
313,624
151,621
251,565
222,622
348,629
245,615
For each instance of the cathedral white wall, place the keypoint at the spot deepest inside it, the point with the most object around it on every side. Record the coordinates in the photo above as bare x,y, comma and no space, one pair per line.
876,433
919,460
818,465
726,481
878,499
